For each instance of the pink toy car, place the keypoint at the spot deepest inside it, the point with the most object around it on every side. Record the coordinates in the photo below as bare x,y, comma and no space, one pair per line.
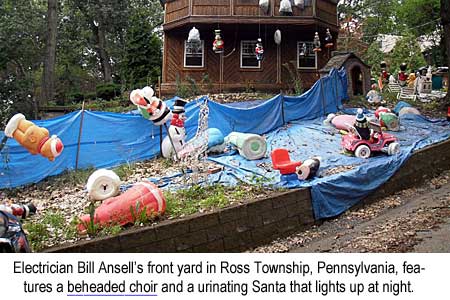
378,142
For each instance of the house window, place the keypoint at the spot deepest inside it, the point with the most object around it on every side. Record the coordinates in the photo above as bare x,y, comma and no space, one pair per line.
248,57
194,55
306,57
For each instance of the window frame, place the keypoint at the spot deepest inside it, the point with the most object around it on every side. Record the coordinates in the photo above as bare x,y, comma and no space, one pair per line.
185,56
241,55
298,56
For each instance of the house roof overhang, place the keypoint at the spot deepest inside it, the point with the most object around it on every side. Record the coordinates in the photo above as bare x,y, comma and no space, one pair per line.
293,21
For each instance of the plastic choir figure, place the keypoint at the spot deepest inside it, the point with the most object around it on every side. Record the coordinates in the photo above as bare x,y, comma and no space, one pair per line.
316,43
218,44
259,50
328,39
362,125
402,76
34,138
177,131
152,108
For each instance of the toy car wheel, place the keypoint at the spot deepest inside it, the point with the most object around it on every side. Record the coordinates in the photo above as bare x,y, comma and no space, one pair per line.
393,148
362,151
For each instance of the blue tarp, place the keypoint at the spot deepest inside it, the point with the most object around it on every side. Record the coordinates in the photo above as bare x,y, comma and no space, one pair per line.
110,139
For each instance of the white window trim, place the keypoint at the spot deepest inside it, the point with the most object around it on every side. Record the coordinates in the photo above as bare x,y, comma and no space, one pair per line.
298,60
248,67
203,56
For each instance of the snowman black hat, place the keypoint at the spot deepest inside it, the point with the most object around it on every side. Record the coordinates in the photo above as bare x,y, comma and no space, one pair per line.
178,106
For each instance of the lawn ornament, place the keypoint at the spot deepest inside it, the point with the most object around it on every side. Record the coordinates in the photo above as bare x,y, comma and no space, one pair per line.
402,76
303,50
176,132
373,96
34,138
387,118
378,142
250,146
20,211
384,75
282,162
218,44
12,236
151,108
328,39
316,43
103,184
193,42
259,50
285,8
341,122
362,125
448,113
264,5
300,4
308,169
277,37
143,200
411,80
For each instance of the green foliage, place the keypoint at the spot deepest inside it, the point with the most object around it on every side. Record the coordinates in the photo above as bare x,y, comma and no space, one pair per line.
182,90
406,50
125,170
418,15
374,56
108,91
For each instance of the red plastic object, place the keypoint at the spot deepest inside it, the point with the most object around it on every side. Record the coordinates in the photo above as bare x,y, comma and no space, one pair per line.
282,162
448,113
124,209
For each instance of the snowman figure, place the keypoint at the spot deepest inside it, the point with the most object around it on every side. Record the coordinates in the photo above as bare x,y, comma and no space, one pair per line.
362,125
177,131
259,50
218,44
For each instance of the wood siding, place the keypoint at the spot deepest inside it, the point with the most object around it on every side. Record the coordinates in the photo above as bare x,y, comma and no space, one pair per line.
196,9
234,77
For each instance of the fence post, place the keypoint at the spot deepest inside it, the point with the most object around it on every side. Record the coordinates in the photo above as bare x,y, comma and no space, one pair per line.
80,132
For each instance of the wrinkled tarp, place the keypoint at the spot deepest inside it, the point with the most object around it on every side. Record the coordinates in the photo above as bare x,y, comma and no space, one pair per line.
333,194
111,139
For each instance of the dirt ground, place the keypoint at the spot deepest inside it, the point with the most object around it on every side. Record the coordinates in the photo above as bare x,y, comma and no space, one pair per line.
413,220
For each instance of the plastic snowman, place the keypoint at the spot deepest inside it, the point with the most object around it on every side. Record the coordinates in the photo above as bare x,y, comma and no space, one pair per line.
177,131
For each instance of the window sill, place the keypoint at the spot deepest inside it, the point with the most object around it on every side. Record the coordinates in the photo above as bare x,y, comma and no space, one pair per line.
250,69
194,69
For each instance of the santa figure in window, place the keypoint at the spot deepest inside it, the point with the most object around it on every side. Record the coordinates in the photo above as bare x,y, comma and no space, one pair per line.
259,50
218,44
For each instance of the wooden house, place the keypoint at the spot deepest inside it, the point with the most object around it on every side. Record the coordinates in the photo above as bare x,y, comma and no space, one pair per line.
241,23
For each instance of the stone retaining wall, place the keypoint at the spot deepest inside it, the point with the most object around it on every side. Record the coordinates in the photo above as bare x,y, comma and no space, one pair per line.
241,227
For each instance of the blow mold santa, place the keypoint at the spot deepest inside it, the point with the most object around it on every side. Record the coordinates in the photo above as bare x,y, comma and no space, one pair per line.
151,107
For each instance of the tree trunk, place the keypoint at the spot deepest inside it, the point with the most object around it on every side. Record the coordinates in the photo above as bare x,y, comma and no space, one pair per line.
445,20
100,36
48,80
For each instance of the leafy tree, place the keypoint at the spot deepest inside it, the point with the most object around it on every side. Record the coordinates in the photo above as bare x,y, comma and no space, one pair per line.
374,56
407,50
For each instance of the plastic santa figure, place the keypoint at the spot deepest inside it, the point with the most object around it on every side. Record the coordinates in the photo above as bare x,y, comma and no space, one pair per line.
402,76
316,43
328,39
151,108
362,125
259,50
218,44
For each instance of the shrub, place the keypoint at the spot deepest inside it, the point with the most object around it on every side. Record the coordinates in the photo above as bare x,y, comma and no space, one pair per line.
107,91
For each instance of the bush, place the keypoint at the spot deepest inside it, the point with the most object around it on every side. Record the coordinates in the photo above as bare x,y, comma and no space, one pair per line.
107,91
75,97
90,96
